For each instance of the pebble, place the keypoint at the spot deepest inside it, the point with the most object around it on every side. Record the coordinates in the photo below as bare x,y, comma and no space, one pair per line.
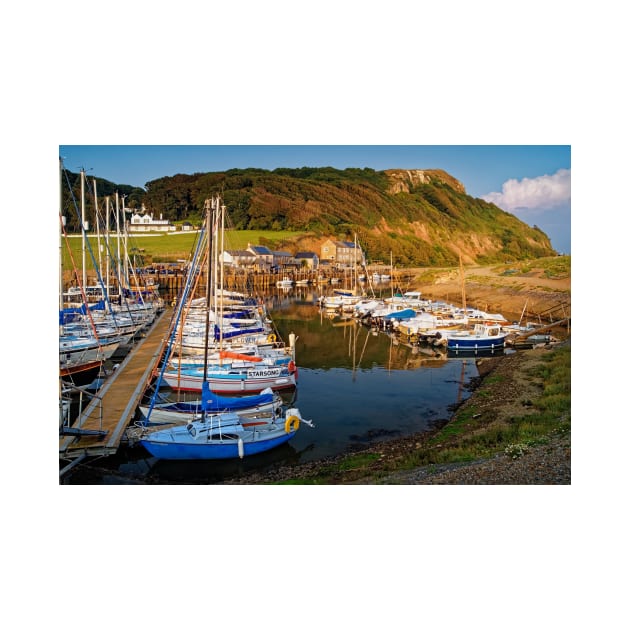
547,464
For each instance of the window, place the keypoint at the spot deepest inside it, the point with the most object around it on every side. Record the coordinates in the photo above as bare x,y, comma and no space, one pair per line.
224,436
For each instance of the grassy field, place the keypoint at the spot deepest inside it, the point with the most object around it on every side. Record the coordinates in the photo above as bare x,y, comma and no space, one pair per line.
165,248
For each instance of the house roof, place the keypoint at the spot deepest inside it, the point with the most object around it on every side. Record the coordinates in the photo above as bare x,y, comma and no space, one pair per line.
284,254
306,255
240,252
261,250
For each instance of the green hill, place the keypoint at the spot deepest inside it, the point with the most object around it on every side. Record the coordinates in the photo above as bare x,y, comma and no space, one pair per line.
420,217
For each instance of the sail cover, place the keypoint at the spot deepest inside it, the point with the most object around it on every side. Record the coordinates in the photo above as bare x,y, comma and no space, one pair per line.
212,402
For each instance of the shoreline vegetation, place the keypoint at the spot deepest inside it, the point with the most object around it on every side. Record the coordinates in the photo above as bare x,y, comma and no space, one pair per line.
515,428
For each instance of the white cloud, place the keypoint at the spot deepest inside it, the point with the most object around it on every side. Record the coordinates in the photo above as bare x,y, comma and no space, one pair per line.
546,191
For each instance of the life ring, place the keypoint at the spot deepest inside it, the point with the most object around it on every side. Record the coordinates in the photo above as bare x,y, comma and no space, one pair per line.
292,424
271,338
174,302
291,366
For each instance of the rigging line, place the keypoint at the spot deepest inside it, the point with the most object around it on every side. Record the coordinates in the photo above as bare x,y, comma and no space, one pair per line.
113,258
186,311
116,270
191,274
169,343
138,285
70,189
98,231
85,300
87,241
210,219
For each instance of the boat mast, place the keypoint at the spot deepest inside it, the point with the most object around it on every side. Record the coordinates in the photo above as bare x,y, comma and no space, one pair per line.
391,271
209,221
107,210
355,283
118,269
62,220
522,313
125,261
215,266
222,260
461,271
83,228
98,232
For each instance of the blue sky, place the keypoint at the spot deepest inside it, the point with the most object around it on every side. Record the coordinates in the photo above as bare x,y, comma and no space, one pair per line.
532,182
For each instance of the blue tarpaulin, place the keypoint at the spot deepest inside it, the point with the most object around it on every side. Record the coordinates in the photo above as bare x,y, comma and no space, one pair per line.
407,313
235,333
68,315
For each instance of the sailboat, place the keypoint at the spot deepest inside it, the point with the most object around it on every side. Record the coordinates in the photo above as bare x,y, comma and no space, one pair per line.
235,370
185,411
222,435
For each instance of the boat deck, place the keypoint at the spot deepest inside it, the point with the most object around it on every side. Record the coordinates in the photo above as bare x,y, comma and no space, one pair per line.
115,404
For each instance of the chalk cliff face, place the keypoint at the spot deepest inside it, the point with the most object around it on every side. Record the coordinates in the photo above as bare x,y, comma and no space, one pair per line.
406,180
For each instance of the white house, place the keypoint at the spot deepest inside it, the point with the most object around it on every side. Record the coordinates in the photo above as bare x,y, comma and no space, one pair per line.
238,258
143,222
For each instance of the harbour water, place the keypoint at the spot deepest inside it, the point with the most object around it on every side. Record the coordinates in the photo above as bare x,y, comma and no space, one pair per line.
356,385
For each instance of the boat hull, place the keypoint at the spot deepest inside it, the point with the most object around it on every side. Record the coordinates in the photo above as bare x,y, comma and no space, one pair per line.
472,345
81,374
227,450
234,383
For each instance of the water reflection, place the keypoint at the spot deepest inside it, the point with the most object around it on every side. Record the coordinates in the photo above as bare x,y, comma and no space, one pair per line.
358,385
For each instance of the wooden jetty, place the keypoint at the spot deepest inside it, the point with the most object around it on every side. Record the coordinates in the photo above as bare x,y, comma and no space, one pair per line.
248,281
100,427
